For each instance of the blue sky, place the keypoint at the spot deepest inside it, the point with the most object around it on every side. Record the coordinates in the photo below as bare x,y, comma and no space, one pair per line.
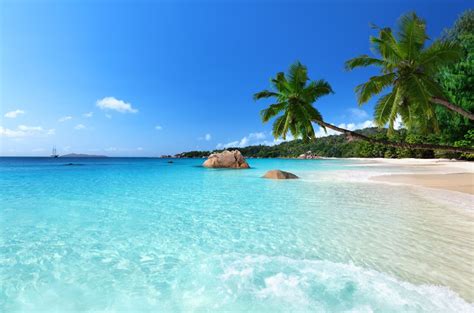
146,78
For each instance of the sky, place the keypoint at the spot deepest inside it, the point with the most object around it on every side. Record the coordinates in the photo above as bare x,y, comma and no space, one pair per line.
146,78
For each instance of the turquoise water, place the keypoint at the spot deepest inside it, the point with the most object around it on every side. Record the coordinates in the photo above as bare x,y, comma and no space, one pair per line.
143,235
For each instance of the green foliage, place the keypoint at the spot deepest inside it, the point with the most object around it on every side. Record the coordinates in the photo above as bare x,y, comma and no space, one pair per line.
194,154
468,141
338,146
457,80
293,110
407,67
411,72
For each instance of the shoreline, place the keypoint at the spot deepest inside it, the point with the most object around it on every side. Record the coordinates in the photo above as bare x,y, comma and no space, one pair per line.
443,181
443,174
458,182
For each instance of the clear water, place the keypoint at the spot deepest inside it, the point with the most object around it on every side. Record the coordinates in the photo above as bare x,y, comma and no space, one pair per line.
142,235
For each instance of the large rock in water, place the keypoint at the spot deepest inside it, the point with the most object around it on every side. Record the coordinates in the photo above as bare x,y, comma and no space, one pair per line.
277,174
226,159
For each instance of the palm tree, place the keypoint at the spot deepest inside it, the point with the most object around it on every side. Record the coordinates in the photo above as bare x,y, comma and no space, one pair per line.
407,68
294,98
295,113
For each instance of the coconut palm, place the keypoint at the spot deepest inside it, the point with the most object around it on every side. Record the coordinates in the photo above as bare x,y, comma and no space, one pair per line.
407,69
295,98
294,112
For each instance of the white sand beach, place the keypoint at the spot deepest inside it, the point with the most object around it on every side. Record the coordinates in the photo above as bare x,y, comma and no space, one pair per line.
460,182
443,174
452,180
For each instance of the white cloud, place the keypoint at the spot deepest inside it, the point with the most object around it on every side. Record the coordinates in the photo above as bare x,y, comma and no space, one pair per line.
206,137
29,128
398,123
355,126
260,138
14,114
140,149
158,127
111,103
111,149
358,114
108,116
350,126
252,139
25,131
87,115
79,126
65,118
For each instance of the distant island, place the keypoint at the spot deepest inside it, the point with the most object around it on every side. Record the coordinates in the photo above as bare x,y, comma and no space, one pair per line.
82,155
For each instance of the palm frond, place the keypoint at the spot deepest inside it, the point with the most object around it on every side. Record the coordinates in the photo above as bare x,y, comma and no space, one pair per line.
316,89
280,83
397,103
374,86
412,35
278,126
272,111
314,114
386,45
303,114
288,122
264,94
297,75
439,54
322,87
383,107
295,96
432,87
418,95
362,61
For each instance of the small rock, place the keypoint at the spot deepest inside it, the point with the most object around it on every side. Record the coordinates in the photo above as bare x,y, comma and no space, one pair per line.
277,174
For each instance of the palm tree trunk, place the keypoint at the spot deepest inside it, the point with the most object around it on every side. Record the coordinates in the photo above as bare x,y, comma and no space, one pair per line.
453,107
405,145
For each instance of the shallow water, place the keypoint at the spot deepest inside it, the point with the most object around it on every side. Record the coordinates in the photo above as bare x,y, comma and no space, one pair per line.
144,235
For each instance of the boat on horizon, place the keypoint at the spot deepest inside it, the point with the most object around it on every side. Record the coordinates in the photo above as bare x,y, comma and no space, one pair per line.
54,153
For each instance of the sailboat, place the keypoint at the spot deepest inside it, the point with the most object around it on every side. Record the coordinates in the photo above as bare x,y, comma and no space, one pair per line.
54,153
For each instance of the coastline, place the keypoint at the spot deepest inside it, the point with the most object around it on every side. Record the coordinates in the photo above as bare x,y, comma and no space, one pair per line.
459,182
444,174
446,185
444,181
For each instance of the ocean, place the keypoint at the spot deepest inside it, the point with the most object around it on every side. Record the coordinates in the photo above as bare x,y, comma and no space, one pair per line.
145,235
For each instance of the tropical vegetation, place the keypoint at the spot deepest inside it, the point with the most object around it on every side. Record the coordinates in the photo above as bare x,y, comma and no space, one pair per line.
457,81
338,146
407,67
431,87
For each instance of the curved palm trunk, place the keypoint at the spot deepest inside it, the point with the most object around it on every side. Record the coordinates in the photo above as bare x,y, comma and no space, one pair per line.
453,107
355,135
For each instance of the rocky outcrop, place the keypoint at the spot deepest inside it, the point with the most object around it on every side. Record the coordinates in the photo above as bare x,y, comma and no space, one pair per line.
226,159
277,174
308,155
